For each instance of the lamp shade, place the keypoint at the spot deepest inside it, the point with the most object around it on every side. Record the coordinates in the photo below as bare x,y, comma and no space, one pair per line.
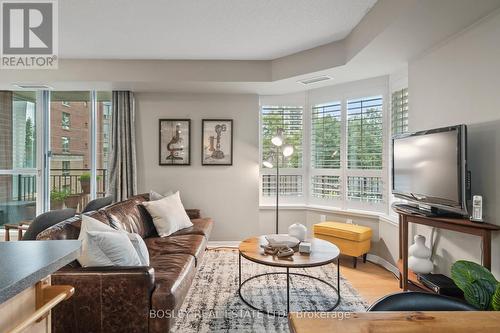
268,163
287,150
277,140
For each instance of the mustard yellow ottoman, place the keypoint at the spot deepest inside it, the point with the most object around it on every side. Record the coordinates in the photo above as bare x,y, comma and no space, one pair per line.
352,240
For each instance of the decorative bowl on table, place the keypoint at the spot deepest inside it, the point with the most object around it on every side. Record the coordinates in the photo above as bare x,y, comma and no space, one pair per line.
282,241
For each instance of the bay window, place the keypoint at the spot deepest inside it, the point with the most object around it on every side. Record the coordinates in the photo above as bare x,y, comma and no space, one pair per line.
345,144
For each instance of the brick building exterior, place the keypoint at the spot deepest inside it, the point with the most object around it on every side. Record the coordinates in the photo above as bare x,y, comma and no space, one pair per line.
70,136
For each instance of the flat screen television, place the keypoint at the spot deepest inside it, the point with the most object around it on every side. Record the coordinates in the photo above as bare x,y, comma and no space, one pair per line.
430,169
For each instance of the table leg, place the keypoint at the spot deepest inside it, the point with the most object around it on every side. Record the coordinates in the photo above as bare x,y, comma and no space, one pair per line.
486,239
404,250
400,248
287,290
239,269
338,275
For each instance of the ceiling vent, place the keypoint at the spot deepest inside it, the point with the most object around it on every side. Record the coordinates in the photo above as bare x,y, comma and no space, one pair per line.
33,86
315,79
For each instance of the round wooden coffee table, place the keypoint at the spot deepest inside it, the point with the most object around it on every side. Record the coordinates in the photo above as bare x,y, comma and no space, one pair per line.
322,253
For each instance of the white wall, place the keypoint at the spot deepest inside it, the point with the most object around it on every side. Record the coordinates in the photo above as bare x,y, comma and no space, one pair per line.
228,194
459,83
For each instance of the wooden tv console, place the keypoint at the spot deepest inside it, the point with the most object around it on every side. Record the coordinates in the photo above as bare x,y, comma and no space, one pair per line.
462,225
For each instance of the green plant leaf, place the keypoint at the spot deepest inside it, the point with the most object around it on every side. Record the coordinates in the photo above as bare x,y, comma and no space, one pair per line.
495,301
479,294
85,177
465,273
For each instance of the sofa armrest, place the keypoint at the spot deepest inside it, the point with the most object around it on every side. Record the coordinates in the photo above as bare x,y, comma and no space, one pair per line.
193,213
106,299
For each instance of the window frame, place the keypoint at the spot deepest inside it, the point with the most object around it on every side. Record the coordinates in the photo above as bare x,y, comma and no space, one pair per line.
66,168
63,125
64,140
367,173
287,200
401,113
335,202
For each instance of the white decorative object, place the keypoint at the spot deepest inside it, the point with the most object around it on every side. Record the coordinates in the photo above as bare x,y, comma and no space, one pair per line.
419,256
305,247
282,241
298,231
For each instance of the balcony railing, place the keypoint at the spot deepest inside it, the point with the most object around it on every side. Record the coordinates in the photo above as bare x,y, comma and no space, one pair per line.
69,180
20,202
61,180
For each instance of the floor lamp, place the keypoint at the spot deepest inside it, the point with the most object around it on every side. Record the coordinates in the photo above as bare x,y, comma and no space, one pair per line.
280,149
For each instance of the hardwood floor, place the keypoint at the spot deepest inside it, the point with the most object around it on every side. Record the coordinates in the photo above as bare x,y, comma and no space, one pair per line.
370,280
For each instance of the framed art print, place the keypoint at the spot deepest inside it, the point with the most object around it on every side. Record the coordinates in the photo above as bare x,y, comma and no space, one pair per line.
217,142
175,142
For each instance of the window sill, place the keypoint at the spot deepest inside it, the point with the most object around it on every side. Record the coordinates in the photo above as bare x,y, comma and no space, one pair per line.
351,212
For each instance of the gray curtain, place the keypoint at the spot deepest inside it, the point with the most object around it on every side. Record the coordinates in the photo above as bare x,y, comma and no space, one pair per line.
122,158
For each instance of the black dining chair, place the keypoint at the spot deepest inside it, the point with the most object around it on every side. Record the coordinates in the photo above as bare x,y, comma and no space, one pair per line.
97,204
47,220
419,301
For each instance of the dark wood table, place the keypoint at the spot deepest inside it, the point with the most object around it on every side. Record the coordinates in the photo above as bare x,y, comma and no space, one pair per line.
396,322
461,225
322,253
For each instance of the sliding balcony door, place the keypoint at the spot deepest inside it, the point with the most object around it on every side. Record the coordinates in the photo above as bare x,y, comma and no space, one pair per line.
19,182
79,135
70,155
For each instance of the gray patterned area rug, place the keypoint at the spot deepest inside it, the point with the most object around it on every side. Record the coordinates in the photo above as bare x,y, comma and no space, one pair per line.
213,303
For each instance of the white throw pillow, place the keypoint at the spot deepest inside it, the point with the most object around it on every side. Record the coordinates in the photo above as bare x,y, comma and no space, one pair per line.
153,195
168,214
105,246
140,247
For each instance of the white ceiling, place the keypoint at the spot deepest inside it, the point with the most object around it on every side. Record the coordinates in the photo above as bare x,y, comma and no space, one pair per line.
202,29
393,33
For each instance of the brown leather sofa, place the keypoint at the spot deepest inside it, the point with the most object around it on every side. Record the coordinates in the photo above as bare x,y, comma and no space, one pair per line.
129,299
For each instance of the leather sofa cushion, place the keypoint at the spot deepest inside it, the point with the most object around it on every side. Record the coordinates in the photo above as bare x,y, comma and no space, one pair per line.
131,216
187,244
70,228
174,274
200,227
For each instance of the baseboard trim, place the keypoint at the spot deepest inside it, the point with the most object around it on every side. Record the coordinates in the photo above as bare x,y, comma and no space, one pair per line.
383,263
370,257
215,244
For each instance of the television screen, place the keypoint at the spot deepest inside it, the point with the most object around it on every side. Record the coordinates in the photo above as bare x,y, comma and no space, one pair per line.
429,167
